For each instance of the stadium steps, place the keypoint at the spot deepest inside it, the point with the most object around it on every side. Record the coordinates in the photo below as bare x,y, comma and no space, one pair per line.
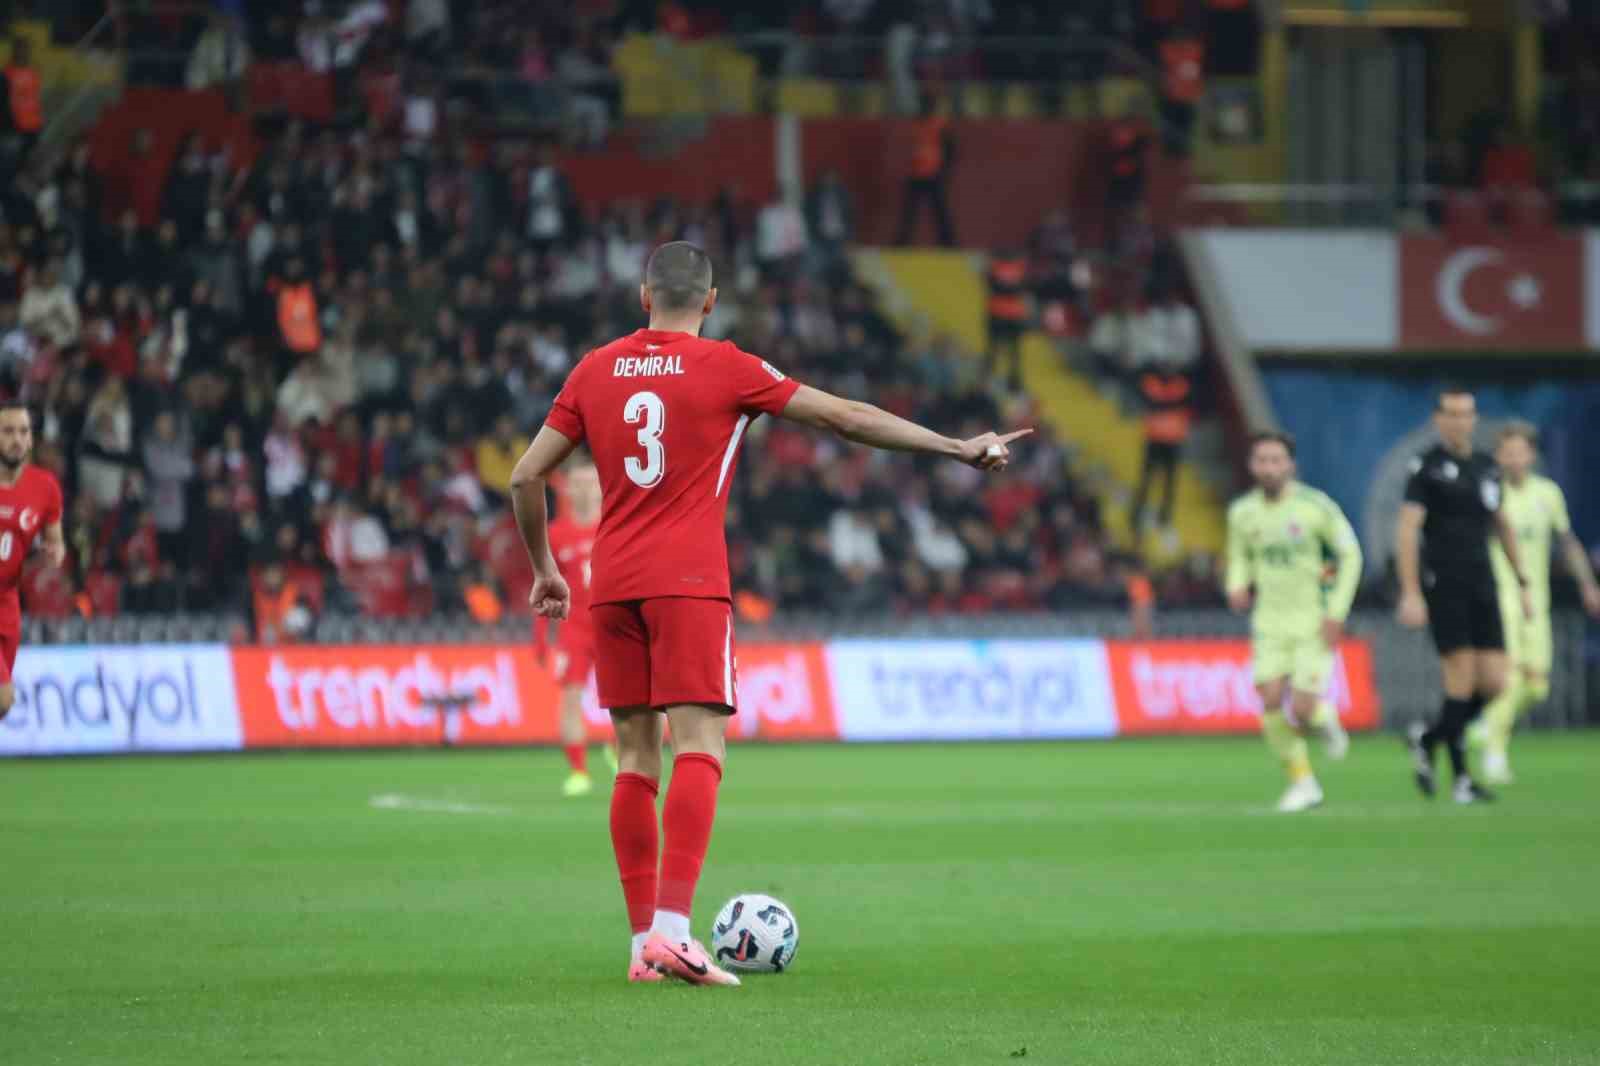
943,292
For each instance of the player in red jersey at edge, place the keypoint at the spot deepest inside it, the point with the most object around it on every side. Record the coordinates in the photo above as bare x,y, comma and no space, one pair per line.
663,411
572,542
30,508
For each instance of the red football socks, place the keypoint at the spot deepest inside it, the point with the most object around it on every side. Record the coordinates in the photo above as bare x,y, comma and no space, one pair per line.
577,757
635,841
686,820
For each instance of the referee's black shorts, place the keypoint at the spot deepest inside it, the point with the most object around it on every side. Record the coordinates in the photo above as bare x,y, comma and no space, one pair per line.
1464,612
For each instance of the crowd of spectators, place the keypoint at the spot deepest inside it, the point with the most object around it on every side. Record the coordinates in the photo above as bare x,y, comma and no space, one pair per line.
302,388
319,370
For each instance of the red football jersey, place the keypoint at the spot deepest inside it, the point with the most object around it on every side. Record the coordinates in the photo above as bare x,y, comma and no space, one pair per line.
573,545
663,414
26,508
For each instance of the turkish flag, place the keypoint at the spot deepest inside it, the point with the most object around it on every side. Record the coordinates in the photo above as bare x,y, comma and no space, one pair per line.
1492,294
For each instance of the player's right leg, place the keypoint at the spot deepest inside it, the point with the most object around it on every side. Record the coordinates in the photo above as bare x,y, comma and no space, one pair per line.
694,678
1272,682
8,697
573,735
1450,619
698,739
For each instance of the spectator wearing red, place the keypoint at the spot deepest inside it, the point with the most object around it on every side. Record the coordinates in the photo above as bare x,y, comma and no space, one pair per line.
1183,85
295,308
1168,397
932,153
24,110
1007,279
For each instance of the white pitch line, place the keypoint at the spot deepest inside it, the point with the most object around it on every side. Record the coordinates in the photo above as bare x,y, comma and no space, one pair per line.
394,801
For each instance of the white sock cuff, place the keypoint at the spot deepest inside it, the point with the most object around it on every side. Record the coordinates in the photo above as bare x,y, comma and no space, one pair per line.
672,925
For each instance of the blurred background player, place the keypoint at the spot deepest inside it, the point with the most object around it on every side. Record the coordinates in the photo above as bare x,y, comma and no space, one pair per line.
1280,538
572,542
1536,511
30,508
1452,504
664,411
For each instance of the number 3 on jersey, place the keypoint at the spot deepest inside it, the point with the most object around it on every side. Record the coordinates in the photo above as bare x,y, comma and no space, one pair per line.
646,407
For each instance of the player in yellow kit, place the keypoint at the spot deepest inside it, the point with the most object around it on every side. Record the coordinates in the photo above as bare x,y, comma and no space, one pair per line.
1537,513
1281,537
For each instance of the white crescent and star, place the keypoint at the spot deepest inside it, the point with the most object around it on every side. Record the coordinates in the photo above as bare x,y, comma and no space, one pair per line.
1522,290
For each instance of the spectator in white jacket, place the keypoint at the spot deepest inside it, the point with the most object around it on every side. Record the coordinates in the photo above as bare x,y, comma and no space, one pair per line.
221,55
49,310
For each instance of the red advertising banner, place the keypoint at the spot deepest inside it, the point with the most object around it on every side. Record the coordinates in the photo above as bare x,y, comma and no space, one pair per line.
1492,294
386,696
1206,686
383,696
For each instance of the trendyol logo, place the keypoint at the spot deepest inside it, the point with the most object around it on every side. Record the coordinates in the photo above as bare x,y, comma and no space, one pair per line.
105,699
379,699
992,686
776,691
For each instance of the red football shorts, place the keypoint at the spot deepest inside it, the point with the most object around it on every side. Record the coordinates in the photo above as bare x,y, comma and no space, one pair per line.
574,654
655,653
10,639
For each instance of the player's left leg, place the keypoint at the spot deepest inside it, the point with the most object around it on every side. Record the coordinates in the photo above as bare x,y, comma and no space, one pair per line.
9,642
622,674
1493,727
635,838
1316,714
1528,687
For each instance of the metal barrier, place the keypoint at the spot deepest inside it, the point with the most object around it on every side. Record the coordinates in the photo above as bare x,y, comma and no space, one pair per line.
1406,667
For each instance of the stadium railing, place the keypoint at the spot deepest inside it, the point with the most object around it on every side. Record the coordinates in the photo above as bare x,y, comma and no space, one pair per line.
1405,669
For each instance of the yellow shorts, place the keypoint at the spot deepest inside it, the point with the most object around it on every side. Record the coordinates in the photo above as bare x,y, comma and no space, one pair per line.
1529,643
1305,659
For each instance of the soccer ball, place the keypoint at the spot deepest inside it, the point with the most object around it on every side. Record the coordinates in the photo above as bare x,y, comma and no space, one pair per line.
755,934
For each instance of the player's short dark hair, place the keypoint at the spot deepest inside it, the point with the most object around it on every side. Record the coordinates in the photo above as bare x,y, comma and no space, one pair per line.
1452,389
678,276
16,405
1518,428
1272,436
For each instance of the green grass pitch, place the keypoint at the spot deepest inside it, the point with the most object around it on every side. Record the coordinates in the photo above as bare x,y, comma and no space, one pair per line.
1131,902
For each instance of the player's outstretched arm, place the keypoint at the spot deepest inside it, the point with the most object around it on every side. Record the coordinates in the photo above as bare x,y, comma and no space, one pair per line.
550,596
865,424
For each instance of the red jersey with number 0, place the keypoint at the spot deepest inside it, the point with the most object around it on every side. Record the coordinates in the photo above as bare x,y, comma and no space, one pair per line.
663,414
26,508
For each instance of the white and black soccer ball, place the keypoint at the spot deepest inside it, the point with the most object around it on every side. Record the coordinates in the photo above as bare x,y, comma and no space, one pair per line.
754,933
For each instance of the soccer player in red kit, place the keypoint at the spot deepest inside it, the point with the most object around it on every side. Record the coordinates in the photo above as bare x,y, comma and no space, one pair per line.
30,508
663,412
572,542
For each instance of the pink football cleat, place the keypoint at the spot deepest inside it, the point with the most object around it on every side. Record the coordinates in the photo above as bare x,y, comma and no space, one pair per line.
687,962
640,973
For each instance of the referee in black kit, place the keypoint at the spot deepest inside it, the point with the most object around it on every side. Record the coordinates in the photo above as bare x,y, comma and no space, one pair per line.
1453,502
